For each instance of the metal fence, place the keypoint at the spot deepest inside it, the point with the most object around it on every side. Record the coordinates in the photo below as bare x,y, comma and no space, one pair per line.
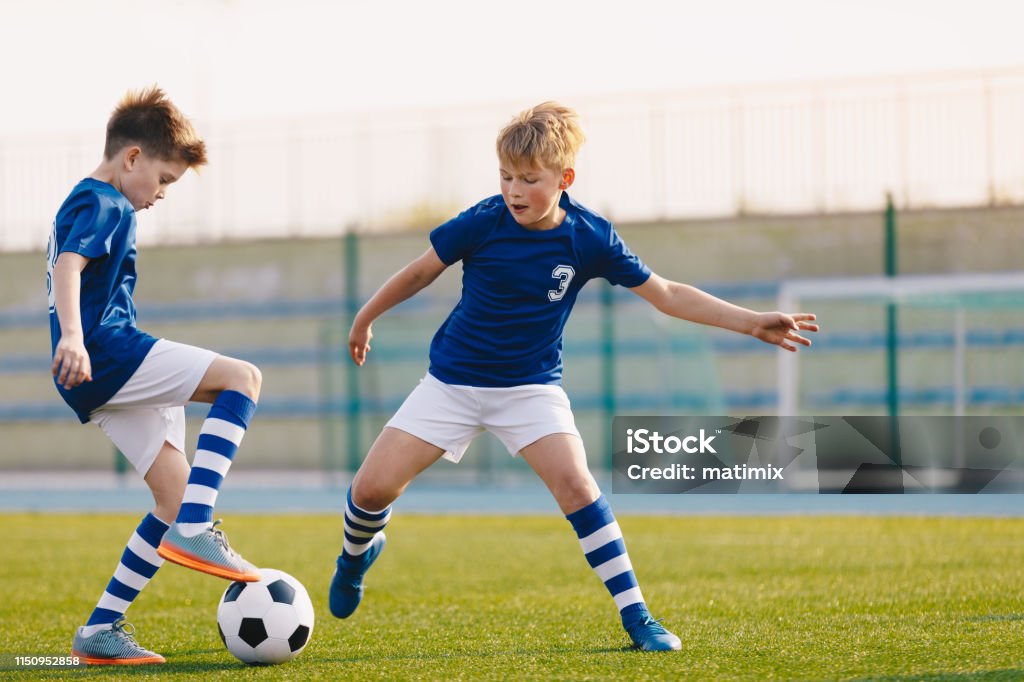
935,140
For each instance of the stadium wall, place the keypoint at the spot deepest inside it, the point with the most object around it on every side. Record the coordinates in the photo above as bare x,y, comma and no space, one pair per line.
280,303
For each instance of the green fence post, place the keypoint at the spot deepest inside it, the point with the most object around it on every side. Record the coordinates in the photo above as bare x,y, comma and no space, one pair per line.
608,367
892,332
120,463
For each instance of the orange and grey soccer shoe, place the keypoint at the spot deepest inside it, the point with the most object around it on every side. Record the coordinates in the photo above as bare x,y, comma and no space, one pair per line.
113,646
207,552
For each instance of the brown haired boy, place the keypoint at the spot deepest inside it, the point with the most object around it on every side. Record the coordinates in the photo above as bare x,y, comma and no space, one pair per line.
134,386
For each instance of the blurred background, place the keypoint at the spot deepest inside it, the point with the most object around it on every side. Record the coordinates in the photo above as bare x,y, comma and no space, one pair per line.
863,162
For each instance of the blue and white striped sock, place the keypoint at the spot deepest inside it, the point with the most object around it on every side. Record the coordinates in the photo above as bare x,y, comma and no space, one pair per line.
219,438
605,550
361,526
138,564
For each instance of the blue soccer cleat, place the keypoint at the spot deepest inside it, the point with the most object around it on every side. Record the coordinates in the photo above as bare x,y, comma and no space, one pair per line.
648,634
347,583
113,646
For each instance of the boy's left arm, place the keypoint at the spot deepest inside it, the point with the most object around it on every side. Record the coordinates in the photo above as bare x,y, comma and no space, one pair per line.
71,363
689,303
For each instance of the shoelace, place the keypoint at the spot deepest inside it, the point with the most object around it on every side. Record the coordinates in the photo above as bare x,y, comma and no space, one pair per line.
221,539
124,630
653,622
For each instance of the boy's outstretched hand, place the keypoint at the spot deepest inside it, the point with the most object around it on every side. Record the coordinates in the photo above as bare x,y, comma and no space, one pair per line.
359,342
782,329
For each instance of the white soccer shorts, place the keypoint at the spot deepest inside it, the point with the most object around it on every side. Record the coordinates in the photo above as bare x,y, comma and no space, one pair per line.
451,416
150,408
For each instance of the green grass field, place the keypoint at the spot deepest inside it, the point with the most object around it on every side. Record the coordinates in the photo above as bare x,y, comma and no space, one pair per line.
459,597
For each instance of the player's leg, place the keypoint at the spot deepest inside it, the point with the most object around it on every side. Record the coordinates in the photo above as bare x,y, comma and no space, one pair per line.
167,478
561,462
435,420
228,374
232,386
394,460
106,638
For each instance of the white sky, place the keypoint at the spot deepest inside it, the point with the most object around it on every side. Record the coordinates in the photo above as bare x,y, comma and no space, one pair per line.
67,62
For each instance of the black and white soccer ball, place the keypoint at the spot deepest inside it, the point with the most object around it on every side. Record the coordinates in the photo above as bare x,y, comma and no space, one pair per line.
265,622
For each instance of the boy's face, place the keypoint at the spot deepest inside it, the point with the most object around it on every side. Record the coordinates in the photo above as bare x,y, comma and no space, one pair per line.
531,194
145,178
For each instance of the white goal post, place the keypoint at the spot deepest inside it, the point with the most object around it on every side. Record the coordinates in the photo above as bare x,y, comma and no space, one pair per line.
800,295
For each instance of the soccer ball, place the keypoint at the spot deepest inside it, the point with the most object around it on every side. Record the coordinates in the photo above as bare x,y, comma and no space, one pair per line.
265,622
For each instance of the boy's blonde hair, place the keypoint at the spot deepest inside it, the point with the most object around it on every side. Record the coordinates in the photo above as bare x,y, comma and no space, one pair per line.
148,119
545,135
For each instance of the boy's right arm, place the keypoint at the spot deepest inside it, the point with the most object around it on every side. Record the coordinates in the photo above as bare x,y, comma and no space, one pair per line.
71,363
402,285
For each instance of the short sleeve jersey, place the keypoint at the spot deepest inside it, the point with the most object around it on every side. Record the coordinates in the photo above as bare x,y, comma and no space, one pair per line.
518,288
98,222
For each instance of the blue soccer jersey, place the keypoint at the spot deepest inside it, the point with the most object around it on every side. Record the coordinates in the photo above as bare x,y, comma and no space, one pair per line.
98,222
518,288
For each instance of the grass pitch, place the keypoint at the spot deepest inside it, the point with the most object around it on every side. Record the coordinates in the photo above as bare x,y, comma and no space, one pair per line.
488,597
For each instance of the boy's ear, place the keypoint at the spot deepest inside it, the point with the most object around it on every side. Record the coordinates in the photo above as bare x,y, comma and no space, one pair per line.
568,176
131,155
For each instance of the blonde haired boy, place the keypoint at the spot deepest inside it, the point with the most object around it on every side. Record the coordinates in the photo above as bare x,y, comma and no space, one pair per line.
134,386
496,362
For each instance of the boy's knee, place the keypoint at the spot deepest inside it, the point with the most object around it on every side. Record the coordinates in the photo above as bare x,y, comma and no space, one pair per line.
167,512
247,379
167,479
370,497
255,378
167,499
577,492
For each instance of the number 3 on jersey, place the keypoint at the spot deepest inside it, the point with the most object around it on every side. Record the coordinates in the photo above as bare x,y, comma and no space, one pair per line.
564,275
